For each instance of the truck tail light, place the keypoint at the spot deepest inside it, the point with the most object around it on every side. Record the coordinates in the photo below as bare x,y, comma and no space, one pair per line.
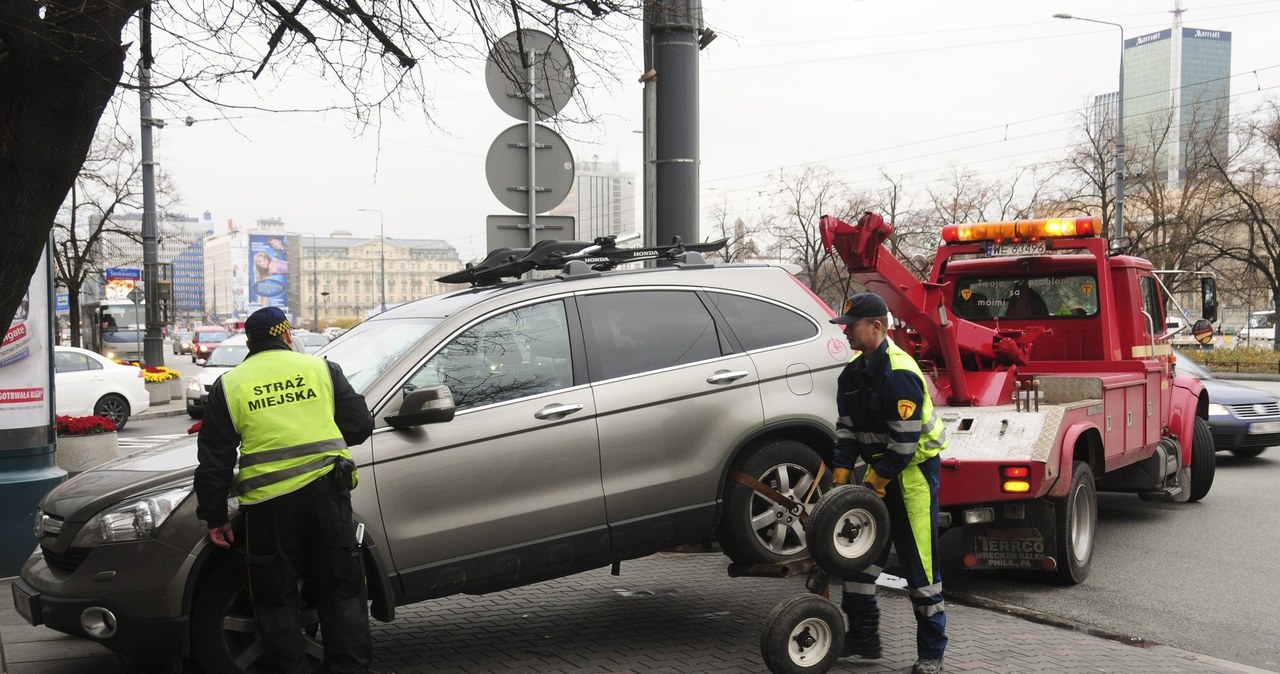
1015,479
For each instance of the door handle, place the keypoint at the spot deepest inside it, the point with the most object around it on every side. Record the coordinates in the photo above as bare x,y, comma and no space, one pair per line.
726,376
556,411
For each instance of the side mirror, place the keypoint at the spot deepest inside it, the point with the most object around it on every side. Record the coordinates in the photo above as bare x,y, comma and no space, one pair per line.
1202,330
426,405
1209,298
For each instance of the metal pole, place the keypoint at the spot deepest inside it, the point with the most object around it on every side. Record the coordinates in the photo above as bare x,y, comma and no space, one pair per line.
382,255
382,260
315,287
153,344
1119,224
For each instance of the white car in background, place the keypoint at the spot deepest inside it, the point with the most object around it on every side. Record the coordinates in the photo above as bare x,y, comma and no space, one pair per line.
229,353
86,383
310,342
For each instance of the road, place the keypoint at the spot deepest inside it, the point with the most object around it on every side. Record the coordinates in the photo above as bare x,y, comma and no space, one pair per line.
1195,576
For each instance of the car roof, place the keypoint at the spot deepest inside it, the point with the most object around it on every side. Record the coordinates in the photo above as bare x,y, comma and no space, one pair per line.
211,328
684,276
239,338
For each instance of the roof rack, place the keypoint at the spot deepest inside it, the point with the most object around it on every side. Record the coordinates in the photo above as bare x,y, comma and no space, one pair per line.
602,254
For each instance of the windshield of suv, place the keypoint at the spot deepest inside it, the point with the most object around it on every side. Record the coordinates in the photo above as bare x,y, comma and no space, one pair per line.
227,355
1026,297
369,349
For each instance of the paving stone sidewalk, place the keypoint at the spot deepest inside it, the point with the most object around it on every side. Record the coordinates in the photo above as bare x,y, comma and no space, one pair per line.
672,612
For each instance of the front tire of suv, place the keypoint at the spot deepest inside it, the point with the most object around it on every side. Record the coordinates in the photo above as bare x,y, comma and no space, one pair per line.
754,529
224,631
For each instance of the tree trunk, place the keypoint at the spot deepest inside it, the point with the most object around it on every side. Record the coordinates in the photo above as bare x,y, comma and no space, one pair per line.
58,75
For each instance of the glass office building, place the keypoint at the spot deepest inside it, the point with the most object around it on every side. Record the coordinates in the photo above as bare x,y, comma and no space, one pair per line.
1176,86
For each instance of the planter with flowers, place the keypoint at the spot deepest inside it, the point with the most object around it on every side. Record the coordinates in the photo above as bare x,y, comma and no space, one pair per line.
84,442
163,384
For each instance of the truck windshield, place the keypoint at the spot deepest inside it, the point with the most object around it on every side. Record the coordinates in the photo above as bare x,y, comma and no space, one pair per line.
989,298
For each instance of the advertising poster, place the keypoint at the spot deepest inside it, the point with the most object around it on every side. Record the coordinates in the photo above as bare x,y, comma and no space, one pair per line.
268,270
25,359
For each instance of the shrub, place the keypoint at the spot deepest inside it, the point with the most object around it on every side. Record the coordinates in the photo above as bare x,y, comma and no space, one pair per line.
90,425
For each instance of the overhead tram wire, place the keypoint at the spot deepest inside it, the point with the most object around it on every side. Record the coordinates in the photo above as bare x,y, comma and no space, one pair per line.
959,134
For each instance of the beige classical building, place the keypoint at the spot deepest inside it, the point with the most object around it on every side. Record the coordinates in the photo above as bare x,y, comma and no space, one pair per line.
342,280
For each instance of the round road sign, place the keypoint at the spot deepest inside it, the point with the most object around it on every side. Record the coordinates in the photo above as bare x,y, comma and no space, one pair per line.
507,168
507,74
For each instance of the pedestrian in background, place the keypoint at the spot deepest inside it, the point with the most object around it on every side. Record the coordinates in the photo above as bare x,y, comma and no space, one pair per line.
292,416
886,418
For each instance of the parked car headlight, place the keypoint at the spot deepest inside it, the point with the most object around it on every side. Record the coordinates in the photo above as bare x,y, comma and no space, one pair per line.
132,520
194,386
1216,410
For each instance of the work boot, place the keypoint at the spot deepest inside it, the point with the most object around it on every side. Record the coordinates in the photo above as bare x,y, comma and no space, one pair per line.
863,638
927,666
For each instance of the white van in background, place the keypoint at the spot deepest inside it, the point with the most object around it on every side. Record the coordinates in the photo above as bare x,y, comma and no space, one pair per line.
1261,329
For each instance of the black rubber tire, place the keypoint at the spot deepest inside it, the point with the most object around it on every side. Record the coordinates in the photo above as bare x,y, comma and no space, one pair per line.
803,635
1248,453
223,628
195,412
114,407
848,529
1204,460
754,529
1076,526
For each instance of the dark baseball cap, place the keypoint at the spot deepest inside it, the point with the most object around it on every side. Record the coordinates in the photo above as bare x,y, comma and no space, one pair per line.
270,320
862,305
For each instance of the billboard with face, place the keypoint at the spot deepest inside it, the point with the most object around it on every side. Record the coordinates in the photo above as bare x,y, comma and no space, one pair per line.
268,270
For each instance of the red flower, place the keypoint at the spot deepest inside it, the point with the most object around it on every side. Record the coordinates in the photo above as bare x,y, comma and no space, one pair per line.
195,428
84,425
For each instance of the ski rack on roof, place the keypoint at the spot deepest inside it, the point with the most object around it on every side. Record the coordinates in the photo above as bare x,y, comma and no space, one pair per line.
602,254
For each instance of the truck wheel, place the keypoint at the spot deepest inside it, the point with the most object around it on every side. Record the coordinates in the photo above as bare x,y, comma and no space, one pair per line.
224,631
1075,522
803,634
848,530
1204,459
754,529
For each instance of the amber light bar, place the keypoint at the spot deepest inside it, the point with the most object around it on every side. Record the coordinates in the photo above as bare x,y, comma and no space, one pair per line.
1022,230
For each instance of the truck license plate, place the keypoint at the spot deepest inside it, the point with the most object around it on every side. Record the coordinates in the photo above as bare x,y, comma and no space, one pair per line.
1264,427
1017,248
25,604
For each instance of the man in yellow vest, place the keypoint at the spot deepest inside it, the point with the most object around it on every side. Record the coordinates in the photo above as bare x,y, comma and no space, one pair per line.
292,416
886,418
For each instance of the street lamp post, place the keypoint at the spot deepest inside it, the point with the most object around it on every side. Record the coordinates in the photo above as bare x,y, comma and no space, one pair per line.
315,287
382,255
1119,226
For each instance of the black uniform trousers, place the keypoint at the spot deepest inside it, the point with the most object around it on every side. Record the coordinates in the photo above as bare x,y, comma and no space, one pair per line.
308,535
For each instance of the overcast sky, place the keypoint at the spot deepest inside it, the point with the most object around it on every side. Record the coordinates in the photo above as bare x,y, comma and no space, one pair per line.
909,87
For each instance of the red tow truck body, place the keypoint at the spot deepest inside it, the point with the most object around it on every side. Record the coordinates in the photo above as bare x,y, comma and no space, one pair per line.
1051,375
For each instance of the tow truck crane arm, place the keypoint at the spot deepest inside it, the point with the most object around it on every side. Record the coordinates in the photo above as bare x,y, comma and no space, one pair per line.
920,304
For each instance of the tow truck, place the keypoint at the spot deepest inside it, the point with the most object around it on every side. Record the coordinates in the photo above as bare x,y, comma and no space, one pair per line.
1052,372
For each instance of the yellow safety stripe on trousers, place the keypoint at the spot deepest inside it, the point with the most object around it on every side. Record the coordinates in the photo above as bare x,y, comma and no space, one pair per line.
918,502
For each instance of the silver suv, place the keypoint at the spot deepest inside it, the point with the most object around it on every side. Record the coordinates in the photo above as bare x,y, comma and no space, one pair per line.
526,430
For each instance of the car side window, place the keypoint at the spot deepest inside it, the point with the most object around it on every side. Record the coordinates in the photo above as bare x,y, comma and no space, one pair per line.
759,324
647,330
518,353
66,361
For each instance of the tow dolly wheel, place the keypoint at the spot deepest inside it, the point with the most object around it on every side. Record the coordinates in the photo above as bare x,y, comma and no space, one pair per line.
803,635
848,529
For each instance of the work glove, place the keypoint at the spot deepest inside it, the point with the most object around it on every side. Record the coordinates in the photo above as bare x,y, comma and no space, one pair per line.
841,476
874,482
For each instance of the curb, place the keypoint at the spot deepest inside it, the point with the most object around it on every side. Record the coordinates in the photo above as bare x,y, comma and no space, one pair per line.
153,413
1032,615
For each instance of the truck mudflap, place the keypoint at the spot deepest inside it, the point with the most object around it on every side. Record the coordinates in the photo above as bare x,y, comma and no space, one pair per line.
1020,535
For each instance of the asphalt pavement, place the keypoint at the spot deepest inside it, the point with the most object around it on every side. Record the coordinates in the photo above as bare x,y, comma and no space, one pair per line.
671,612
